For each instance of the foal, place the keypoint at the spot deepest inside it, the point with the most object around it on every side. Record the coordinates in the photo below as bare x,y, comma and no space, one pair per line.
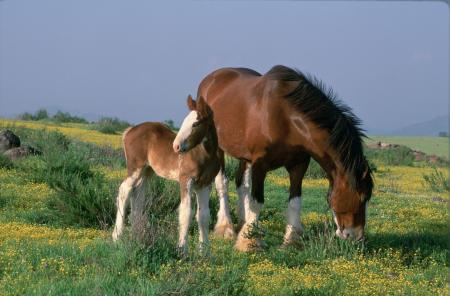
190,157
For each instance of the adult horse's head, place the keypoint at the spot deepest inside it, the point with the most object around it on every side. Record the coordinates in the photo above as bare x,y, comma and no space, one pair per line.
195,127
349,204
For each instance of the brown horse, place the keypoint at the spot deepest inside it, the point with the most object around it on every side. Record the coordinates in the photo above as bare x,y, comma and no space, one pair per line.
282,119
190,157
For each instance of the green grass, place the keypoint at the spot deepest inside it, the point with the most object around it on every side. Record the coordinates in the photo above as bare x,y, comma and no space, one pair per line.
430,145
43,252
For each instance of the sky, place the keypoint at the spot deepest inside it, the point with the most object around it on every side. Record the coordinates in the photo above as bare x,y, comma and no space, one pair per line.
138,60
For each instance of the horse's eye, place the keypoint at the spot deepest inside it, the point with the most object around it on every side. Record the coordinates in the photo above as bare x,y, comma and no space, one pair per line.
195,124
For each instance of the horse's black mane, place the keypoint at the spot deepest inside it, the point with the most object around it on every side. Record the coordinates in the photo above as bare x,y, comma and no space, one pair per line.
321,105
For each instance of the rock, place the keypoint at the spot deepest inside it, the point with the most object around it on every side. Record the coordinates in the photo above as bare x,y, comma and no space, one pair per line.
19,152
433,159
419,155
8,140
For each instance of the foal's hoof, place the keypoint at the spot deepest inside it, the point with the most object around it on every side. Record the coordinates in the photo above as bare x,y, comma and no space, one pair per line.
225,231
115,236
182,251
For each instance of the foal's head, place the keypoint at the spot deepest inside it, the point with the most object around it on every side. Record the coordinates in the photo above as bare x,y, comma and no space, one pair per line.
195,127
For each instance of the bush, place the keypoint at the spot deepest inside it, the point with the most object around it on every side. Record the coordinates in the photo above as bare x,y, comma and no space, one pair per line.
26,116
171,124
41,114
59,117
437,181
110,125
400,155
315,171
83,195
67,117
5,162
231,167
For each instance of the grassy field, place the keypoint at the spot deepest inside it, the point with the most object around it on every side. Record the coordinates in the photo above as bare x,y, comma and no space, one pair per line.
430,145
45,251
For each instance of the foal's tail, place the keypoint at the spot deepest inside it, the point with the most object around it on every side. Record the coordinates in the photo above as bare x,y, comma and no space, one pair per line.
124,134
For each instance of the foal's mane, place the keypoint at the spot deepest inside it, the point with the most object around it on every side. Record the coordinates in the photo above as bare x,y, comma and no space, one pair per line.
322,106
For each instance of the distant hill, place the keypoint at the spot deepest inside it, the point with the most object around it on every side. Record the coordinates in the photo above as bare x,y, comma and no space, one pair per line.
426,128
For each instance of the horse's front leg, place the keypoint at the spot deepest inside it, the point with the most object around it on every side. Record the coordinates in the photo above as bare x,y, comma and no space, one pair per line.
185,213
224,225
252,207
203,216
294,226
243,188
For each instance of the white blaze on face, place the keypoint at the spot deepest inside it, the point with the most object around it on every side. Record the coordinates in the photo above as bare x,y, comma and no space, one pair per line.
348,232
338,230
185,129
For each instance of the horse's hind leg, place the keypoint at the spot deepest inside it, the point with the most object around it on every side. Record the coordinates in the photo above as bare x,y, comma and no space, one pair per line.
293,226
253,203
203,215
122,200
224,225
139,205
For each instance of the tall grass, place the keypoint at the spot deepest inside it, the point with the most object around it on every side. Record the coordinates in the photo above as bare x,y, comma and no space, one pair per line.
400,155
437,181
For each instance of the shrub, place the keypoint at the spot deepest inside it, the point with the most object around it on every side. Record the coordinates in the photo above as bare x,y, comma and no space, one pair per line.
83,195
38,115
400,155
41,114
5,162
437,181
315,171
231,167
67,117
110,125
171,124
26,116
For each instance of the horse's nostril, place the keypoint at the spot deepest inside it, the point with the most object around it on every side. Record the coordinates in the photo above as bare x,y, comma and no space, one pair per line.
176,147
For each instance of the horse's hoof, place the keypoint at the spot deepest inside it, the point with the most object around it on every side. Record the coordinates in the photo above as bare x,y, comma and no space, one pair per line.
225,231
248,245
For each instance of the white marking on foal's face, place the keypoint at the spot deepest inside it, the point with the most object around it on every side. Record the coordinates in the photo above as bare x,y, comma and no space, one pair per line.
185,131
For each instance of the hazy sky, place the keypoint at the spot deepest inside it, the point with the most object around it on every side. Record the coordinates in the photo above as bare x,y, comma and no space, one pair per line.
138,60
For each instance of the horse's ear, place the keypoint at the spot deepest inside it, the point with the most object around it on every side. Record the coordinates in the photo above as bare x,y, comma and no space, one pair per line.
192,105
202,107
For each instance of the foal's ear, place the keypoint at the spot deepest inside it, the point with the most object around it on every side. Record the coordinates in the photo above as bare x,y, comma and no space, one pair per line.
192,105
202,107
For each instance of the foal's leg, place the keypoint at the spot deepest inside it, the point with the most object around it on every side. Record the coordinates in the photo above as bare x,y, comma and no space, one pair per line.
122,200
203,215
252,207
139,205
293,226
224,226
185,213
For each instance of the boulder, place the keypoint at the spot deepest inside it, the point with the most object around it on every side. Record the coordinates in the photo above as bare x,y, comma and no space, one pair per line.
19,152
8,140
